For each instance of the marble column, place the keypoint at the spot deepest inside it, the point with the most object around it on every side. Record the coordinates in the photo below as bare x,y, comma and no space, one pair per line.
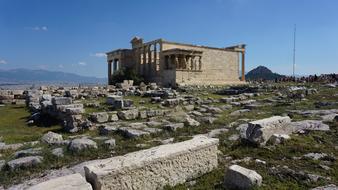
155,58
109,73
144,60
113,66
117,65
149,62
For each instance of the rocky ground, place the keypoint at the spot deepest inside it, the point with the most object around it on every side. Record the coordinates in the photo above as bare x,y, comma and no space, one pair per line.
271,136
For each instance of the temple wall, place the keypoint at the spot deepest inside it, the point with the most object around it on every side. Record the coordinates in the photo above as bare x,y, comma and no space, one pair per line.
218,67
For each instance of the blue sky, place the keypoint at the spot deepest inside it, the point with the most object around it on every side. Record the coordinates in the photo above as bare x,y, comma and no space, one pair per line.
72,35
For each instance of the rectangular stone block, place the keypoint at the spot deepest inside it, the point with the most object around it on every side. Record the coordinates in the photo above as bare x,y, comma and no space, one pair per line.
74,111
128,114
156,167
63,108
112,98
173,126
99,117
260,131
132,133
61,100
72,93
238,177
68,182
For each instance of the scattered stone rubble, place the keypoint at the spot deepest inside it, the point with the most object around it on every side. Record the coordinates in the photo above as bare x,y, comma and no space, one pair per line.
63,105
277,129
260,131
12,97
238,177
24,162
81,144
52,138
327,187
68,182
28,152
170,163
284,171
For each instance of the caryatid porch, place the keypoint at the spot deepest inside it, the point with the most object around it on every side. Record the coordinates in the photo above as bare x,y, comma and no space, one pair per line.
183,60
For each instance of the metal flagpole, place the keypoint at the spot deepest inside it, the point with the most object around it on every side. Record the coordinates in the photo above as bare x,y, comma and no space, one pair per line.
294,52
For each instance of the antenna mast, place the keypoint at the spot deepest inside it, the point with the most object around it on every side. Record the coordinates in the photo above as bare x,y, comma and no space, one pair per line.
294,52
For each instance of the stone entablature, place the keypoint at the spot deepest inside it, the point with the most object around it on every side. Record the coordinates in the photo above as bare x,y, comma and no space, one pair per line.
171,63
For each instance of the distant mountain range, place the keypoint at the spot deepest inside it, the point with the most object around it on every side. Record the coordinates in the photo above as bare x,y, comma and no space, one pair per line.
262,72
19,76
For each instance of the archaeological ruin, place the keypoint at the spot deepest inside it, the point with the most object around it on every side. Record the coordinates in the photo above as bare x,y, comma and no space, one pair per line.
146,136
171,63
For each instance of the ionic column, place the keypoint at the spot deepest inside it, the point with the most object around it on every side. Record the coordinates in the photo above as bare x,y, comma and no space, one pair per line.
149,61
113,66
149,53
155,58
137,55
109,73
144,59
155,53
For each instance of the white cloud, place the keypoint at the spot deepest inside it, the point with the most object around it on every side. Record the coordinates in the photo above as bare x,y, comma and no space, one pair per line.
82,63
61,66
38,28
2,61
43,67
98,55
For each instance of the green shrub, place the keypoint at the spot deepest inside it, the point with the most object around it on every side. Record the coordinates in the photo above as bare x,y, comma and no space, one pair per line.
126,74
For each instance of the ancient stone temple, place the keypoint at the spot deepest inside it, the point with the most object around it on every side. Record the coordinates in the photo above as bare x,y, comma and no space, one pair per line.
171,63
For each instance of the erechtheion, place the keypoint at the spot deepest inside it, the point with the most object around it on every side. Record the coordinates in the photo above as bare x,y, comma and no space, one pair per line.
172,63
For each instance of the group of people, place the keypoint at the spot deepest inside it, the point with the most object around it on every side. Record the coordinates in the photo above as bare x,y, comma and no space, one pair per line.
326,78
